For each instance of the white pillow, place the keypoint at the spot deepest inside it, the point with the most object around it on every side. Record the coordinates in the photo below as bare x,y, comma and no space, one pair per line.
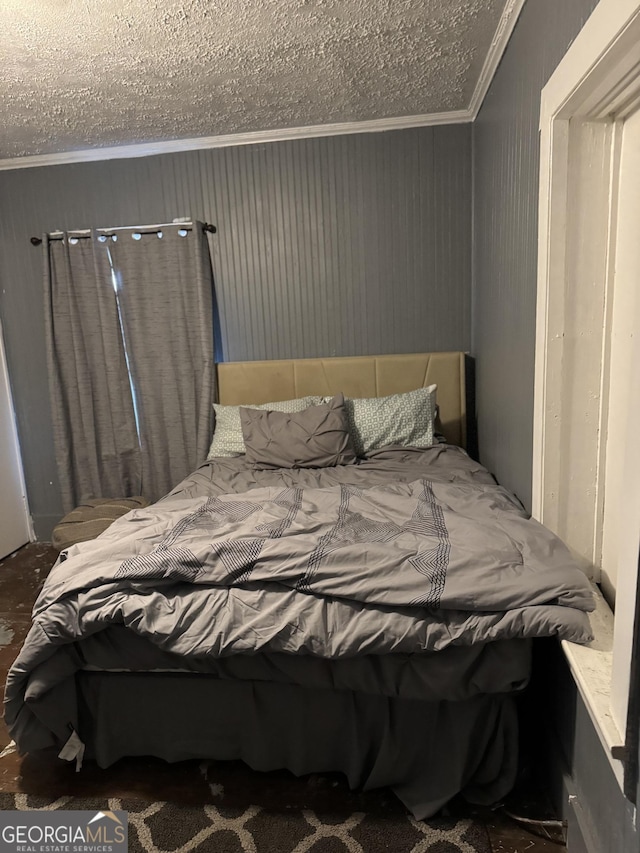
401,419
227,429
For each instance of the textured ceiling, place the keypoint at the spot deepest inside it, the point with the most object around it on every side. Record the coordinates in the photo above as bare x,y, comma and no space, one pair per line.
79,74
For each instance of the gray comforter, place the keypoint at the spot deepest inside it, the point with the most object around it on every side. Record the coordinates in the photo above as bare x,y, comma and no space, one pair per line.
408,553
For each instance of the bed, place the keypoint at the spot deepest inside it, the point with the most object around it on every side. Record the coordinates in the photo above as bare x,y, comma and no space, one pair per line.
372,614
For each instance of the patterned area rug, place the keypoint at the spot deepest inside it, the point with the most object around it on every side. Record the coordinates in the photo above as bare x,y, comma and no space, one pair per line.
163,827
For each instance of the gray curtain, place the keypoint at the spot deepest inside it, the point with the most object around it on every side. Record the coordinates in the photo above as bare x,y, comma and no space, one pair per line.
129,324
96,441
165,291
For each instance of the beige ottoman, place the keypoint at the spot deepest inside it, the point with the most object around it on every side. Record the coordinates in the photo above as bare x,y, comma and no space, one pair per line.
91,518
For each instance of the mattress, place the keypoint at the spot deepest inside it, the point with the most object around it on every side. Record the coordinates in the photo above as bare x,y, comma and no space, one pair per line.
409,584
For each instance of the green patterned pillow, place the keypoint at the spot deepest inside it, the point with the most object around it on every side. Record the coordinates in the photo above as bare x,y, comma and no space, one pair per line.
404,419
227,430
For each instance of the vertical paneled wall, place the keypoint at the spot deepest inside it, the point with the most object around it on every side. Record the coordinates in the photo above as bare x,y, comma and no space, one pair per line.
338,246
506,163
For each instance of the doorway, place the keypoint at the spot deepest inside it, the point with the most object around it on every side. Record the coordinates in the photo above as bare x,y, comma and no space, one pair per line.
586,464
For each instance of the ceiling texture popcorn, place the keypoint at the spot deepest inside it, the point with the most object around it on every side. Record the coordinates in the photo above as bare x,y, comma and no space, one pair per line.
81,74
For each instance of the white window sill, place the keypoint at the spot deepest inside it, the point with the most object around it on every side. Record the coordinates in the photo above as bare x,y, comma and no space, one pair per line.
591,666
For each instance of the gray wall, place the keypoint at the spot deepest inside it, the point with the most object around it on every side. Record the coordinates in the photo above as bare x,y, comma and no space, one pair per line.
338,246
584,788
505,168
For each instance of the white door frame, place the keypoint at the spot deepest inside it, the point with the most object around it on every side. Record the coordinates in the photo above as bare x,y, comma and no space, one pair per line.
17,527
595,87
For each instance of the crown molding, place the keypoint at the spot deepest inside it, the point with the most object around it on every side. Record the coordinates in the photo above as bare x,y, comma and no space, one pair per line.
250,138
506,25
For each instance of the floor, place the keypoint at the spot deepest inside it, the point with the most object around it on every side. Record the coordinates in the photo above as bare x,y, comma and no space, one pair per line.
22,575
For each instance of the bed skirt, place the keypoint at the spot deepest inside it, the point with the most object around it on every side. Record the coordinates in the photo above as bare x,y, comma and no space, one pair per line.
426,752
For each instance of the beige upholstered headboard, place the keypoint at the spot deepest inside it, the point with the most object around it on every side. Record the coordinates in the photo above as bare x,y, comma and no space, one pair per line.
242,383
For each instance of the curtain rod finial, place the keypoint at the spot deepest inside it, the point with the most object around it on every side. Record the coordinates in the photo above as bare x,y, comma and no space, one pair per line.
210,228
36,241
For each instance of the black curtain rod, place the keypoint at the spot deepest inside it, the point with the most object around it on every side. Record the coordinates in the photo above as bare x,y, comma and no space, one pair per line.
37,241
